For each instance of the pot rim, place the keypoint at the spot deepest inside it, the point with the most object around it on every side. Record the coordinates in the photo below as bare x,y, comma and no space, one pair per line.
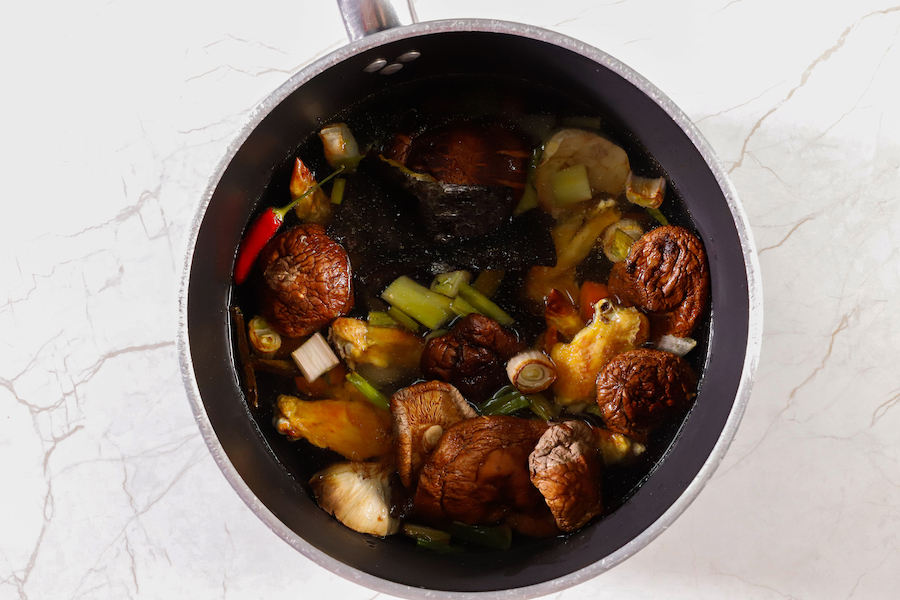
754,289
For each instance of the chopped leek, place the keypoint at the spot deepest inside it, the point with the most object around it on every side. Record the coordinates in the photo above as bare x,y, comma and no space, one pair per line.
619,245
483,304
448,283
505,401
315,357
369,391
403,318
428,533
656,214
488,281
542,407
337,190
340,146
648,192
678,346
263,338
461,307
436,546
428,308
378,318
498,537
528,200
571,185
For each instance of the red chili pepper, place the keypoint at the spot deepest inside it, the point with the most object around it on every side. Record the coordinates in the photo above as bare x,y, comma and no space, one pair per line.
264,229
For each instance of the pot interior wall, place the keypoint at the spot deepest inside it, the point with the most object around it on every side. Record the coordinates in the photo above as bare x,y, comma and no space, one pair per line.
244,182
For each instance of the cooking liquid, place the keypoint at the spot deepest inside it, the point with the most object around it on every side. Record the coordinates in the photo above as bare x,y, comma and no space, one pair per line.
419,106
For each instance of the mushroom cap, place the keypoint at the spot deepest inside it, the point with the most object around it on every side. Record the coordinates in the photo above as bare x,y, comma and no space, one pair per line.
421,413
471,153
565,466
472,356
667,276
307,280
641,389
479,474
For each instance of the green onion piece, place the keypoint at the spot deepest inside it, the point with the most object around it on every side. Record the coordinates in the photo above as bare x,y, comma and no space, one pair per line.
426,533
498,537
435,333
403,319
505,404
488,281
528,200
337,190
542,407
448,283
621,244
656,214
379,318
350,163
428,308
483,304
461,307
571,185
441,547
368,390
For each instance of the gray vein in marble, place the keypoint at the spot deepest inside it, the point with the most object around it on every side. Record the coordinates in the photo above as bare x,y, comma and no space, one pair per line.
841,327
885,406
807,73
257,43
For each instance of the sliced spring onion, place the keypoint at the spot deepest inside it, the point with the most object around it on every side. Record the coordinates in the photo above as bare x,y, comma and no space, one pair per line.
263,338
379,318
619,245
428,308
489,536
483,304
648,192
461,307
505,402
656,214
403,318
448,283
368,390
542,407
678,346
315,357
340,146
488,281
571,185
436,546
337,190
427,533
528,200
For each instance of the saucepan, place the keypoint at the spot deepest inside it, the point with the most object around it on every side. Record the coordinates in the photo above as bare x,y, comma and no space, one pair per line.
388,48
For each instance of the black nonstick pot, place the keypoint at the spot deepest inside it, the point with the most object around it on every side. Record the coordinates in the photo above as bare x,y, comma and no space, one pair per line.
372,65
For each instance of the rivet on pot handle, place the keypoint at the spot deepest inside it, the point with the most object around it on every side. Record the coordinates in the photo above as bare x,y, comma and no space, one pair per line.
364,17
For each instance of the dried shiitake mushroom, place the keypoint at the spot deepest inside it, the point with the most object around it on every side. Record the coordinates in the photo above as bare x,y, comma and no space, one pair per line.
479,474
641,389
565,467
472,356
665,275
307,280
421,413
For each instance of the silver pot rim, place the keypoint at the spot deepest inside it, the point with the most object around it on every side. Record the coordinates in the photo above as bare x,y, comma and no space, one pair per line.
751,262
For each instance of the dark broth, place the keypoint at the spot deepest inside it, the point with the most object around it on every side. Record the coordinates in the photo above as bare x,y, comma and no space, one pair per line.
421,105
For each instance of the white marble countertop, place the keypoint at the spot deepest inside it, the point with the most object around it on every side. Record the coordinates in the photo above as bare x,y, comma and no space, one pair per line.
117,113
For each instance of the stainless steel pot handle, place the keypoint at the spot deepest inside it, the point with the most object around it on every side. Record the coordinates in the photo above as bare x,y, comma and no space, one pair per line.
364,17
